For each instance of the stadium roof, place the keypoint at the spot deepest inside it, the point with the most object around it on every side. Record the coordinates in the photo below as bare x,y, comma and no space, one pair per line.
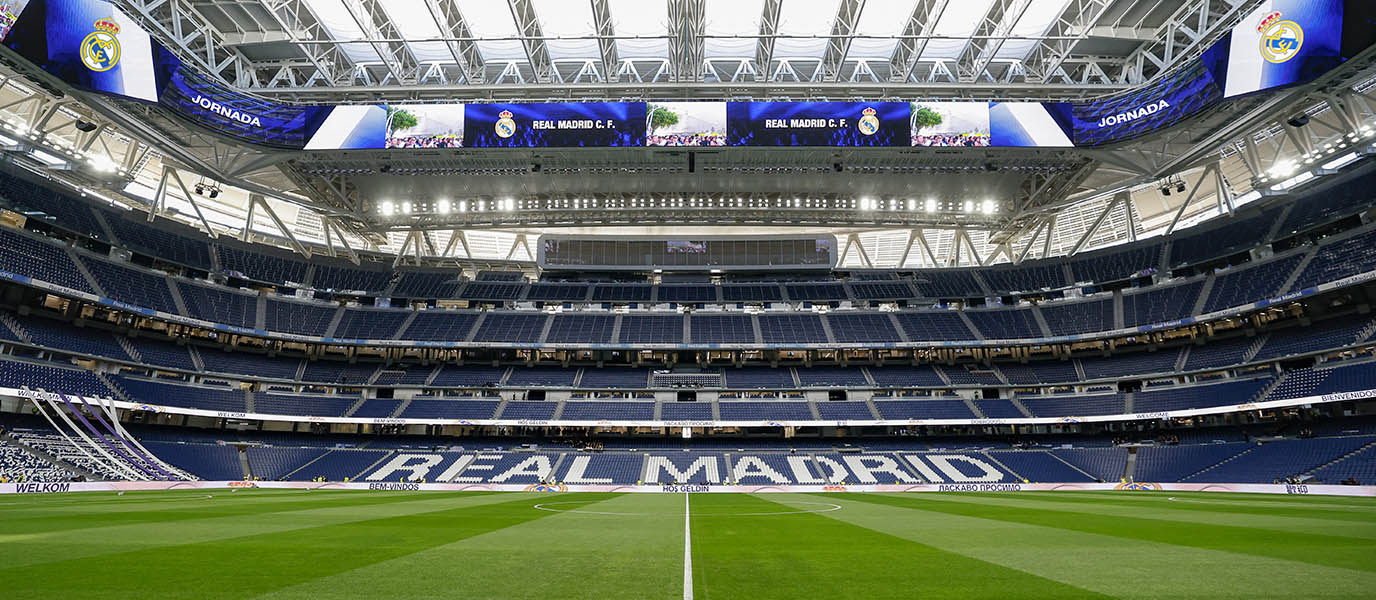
1046,201
332,50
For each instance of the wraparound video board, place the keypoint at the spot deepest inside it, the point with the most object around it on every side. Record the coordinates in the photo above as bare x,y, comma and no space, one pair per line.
95,45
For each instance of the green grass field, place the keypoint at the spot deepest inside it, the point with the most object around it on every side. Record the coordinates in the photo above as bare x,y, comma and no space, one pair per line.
340,544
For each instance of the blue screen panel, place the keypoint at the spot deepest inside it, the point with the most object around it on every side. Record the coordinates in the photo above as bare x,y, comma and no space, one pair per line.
1033,124
91,44
818,124
254,120
350,128
1283,42
557,125
1180,95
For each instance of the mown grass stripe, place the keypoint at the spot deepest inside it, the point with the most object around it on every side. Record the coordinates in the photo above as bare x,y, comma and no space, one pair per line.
634,554
1180,509
243,567
1304,507
193,505
90,543
1334,551
816,556
1109,565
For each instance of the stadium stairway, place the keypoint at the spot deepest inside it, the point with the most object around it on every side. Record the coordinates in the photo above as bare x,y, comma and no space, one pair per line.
1068,464
996,461
243,464
1342,458
1130,469
361,399
1023,409
970,404
1220,463
115,390
1255,348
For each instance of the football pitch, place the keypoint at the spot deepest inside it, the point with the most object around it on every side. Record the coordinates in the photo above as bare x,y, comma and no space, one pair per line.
345,544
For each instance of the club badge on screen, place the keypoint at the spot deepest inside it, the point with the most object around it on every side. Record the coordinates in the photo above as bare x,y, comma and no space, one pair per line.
1280,40
869,124
506,126
100,49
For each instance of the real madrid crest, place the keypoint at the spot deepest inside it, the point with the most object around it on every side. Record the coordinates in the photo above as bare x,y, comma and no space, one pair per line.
100,49
869,124
1280,40
506,126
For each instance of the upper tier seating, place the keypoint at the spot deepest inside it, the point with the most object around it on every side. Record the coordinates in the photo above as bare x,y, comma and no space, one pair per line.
558,292
427,284
1335,260
651,329
370,324
937,283
261,266
300,318
1248,284
934,326
1005,324
1113,264
1215,239
588,329
752,293
131,285
511,327
332,277
219,305
1070,318
790,329
158,240
1024,278
440,325
40,259
863,327
722,329
1160,304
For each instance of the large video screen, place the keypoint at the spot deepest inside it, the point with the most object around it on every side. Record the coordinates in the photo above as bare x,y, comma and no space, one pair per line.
950,124
817,124
425,126
1283,42
675,124
1182,94
94,45
1036,124
250,119
91,44
555,125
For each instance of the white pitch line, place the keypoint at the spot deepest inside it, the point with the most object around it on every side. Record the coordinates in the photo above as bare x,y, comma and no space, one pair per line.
687,551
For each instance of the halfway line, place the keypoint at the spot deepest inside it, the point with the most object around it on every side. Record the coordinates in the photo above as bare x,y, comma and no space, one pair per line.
687,552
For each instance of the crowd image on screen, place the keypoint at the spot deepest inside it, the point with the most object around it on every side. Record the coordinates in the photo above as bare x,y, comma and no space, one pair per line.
425,141
687,139
962,140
